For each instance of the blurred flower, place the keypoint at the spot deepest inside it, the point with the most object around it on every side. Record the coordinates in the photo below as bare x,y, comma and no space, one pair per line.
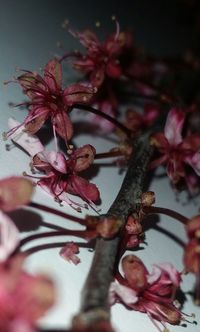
14,192
23,298
177,150
101,59
69,251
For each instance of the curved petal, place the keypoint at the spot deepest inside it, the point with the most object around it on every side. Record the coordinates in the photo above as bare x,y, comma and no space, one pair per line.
35,119
55,159
63,125
9,236
28,142
84,157
174,126
122,293
83,188
78,93
194,162
53,74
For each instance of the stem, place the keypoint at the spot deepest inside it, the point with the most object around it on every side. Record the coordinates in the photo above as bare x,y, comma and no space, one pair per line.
109,154
168,212
43,235
88,108
57,212
95,304
163,96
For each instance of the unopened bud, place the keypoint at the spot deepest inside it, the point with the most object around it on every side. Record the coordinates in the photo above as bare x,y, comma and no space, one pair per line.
148,198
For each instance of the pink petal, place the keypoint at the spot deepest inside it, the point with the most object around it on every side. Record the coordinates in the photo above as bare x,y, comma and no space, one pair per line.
172,272
55,159
154,275
53,74
83,188
84,157
30,143
9,235
36,118
124,294
63,125
194,162
174,126
14,192
69,251
78,93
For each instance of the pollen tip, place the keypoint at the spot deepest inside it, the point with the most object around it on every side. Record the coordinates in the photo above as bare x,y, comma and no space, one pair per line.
78,209
24,173
113,18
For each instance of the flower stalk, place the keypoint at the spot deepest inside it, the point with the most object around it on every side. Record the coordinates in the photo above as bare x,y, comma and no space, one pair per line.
94,306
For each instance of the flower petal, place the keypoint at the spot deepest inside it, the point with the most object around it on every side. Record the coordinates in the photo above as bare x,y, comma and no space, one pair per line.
78,93
28,142
63,125
84,157
83,188
53,74
55,159
124,294
9,235
174,126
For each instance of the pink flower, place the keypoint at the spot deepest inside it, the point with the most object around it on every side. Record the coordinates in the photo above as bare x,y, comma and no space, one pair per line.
69,251
61,176
101,59
49,100
23,298
177,151
149,293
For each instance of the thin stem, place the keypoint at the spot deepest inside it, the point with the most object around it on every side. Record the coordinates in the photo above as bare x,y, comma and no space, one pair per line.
163,96
109,154
95,304
57,212
168,212
82,234
93,110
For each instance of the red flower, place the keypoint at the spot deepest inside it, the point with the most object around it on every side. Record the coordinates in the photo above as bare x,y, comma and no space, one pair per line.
49,100
101,59
149,293
61,175
176,150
